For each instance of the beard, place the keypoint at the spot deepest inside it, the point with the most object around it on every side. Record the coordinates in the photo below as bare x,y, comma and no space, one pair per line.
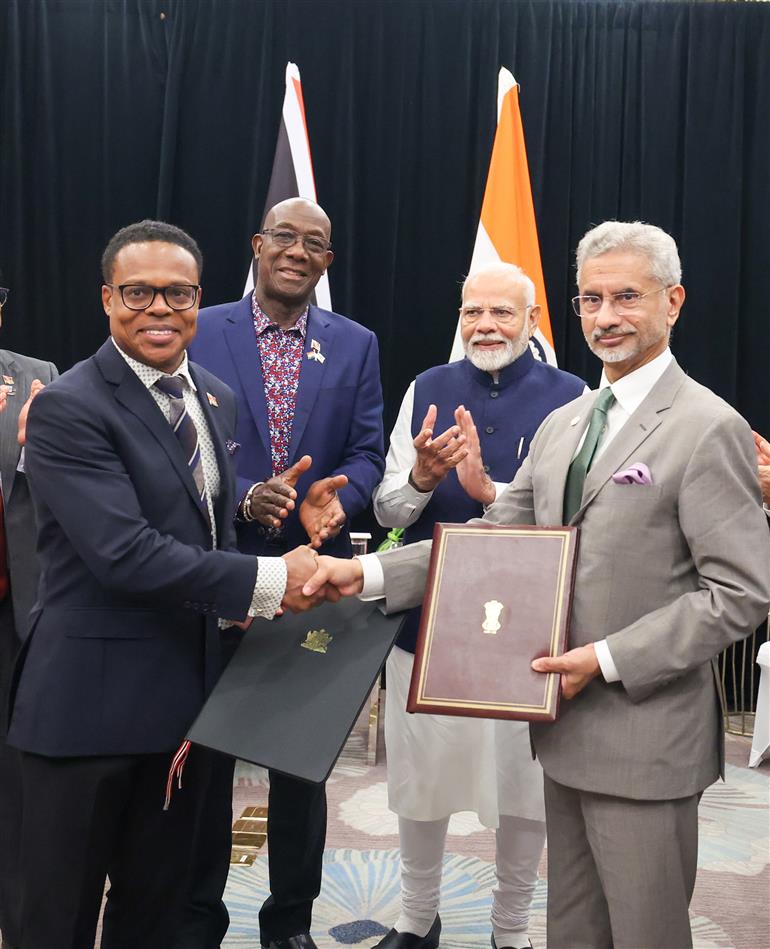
500,358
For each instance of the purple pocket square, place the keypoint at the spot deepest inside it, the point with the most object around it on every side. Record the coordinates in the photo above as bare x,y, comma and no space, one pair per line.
638,473
231,446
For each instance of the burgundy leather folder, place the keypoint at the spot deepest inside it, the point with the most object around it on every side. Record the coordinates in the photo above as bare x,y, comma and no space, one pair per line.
497,597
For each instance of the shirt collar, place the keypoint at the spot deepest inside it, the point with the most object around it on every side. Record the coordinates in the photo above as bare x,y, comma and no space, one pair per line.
262,321
631,390
148,376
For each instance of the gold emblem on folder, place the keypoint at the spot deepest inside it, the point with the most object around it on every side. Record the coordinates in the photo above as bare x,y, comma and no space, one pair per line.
492,611
317,640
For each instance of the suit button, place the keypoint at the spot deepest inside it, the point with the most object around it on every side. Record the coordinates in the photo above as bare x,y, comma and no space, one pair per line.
494,394
489,429
187,604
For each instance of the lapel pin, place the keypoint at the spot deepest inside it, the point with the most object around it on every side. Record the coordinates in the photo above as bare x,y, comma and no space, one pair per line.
212,400
315,351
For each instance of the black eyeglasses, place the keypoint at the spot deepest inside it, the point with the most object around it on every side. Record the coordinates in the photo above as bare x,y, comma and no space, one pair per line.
137,296
286,238
3,295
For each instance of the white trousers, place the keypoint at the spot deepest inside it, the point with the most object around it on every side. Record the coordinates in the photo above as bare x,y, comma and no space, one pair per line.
519,845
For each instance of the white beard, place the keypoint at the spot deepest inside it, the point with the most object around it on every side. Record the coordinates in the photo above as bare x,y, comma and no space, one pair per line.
500,358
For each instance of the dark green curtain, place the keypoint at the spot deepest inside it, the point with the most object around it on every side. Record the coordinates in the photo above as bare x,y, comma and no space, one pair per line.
112,110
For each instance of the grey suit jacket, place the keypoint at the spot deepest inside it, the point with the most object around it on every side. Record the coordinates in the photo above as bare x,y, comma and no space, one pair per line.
20,530
670,574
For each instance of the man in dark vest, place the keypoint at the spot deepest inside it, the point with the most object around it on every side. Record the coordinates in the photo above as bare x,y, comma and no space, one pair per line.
438,766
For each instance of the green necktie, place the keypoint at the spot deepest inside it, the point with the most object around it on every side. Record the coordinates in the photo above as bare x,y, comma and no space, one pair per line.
581,463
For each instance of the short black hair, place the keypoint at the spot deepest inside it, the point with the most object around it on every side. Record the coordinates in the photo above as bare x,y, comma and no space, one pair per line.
2,278
144,231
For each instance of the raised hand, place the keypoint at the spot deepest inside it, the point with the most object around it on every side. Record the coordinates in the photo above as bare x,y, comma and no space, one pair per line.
271,502
435,456
763,464
300,567
321,513
470,471
37,386
335,577
577,668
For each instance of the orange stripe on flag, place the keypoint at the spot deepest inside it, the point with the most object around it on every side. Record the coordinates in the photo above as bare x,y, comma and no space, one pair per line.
508,213
298,90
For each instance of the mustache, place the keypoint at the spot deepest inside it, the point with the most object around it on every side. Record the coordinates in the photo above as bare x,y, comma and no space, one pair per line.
600,334
487,338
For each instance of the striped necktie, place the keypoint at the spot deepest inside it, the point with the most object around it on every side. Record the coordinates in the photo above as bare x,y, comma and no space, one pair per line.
581,463
187,435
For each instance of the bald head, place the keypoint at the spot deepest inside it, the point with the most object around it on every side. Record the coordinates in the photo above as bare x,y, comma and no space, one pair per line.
292,252
308,210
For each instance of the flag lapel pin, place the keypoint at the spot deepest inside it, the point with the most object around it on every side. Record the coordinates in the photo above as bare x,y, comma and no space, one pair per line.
315,351
212,400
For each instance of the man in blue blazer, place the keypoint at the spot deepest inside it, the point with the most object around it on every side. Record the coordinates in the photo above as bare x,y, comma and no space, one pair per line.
307,384
127,455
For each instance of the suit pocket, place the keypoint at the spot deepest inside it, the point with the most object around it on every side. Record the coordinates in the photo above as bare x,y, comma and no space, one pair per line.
99,623
636,493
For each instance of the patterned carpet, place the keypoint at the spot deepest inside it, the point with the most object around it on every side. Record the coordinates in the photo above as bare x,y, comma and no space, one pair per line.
360,891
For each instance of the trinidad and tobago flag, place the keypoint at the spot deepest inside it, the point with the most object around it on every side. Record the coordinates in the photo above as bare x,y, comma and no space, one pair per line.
292,175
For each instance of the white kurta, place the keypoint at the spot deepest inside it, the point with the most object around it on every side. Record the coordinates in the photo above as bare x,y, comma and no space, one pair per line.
441,764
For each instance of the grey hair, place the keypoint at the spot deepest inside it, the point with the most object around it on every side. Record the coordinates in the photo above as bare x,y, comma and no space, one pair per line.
501,267
637,238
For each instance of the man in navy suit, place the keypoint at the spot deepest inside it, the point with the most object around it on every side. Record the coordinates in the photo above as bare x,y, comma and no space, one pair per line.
307,384
137,557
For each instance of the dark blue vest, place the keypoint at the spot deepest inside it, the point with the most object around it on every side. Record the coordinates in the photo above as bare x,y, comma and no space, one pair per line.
507,414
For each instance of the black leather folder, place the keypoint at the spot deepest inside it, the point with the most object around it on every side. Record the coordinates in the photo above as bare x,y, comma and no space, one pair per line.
294,689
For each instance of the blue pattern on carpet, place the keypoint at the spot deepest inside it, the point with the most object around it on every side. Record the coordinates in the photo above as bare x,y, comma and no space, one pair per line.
348,934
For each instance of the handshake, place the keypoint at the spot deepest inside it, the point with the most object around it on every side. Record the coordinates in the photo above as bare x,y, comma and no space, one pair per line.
312,579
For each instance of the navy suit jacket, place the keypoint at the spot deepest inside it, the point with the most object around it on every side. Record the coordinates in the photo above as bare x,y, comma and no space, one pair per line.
338,417
123,644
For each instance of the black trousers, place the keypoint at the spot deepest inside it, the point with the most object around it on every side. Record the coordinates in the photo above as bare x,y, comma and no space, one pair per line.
296,835
10,788
86,818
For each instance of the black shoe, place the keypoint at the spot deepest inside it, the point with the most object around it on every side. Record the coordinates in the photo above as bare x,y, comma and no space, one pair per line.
397,940
300,941
494,944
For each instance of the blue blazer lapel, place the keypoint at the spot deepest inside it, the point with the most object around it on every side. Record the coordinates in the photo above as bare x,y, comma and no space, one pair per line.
133,395
242,343
311,376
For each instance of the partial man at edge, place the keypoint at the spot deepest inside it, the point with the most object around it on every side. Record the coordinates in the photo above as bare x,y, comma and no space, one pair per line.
22,377
440,765
661,477
307,387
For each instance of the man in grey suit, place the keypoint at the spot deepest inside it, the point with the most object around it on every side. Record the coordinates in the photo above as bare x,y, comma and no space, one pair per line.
21,378
660,475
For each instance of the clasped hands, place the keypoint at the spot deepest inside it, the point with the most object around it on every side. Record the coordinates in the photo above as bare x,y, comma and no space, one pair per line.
313,579
321,513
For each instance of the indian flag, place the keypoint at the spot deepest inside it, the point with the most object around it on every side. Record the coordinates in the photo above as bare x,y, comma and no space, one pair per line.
507,229
292,175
